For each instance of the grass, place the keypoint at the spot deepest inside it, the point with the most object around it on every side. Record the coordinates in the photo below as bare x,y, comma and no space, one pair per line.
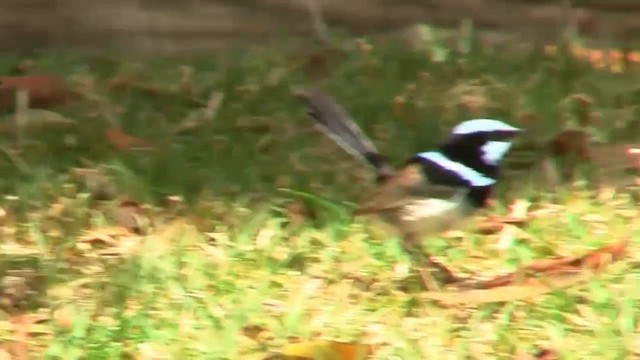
239,269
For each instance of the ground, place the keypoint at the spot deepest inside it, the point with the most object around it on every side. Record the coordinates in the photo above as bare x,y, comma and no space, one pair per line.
191,211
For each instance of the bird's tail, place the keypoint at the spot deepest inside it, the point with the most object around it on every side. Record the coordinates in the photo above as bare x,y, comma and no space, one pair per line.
336,123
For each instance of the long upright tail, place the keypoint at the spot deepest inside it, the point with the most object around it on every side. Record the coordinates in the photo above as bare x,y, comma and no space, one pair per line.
336,123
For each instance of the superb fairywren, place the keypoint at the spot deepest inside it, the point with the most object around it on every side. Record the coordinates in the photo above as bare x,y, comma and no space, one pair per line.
434,190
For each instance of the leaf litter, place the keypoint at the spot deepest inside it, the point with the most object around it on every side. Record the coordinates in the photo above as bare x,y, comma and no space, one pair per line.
125,239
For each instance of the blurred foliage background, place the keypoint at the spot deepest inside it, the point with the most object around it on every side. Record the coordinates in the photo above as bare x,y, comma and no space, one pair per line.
170,26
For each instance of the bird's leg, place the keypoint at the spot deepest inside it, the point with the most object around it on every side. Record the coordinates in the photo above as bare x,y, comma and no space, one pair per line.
411,244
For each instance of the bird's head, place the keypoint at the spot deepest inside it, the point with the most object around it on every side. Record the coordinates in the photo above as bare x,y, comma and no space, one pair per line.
470,157
480,144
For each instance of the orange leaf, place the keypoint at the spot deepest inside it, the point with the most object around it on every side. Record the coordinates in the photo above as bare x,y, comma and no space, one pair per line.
124,141
21,330
541,354
594,260
326,350
527,289
539,278
634,57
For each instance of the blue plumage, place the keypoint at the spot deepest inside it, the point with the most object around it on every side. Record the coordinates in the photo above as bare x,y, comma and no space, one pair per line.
470,176
482,125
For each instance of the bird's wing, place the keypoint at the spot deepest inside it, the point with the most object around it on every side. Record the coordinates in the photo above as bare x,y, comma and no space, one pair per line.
409,185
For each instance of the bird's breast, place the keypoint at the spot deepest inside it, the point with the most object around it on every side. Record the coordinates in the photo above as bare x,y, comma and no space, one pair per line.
429,216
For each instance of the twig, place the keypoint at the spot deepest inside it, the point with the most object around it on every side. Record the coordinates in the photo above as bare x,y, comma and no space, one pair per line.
16,160
320,28
22,107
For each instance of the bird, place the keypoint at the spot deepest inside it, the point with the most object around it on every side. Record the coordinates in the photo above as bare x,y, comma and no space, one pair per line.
432,191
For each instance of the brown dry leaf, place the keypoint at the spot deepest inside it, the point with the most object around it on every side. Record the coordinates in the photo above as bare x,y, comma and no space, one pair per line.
571,142
584,103
22,330
527,289
542,354
197,119
130,216
116,241
63,317
97,182
316,66
45,91
24,67
594,260
254,332
326,350
490,226
573,147
616,162
133,82
538,278
17,287
36,119
298,213
125,142
104,236
518,212
632,156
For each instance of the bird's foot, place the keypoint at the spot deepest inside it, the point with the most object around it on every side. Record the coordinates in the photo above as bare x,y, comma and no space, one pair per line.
434,274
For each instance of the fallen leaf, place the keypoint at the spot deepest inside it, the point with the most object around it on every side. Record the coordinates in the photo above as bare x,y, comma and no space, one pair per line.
572,147
22,329
253,331
5,355
518,211
490,226
594,260
149,351
97,182
326,350
263,239
23,67
200,117
63,317
130,216
125,142
571,142
34,120
527,289
298,213
541,354
583,110
536,279
104,236
45,91
507,237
